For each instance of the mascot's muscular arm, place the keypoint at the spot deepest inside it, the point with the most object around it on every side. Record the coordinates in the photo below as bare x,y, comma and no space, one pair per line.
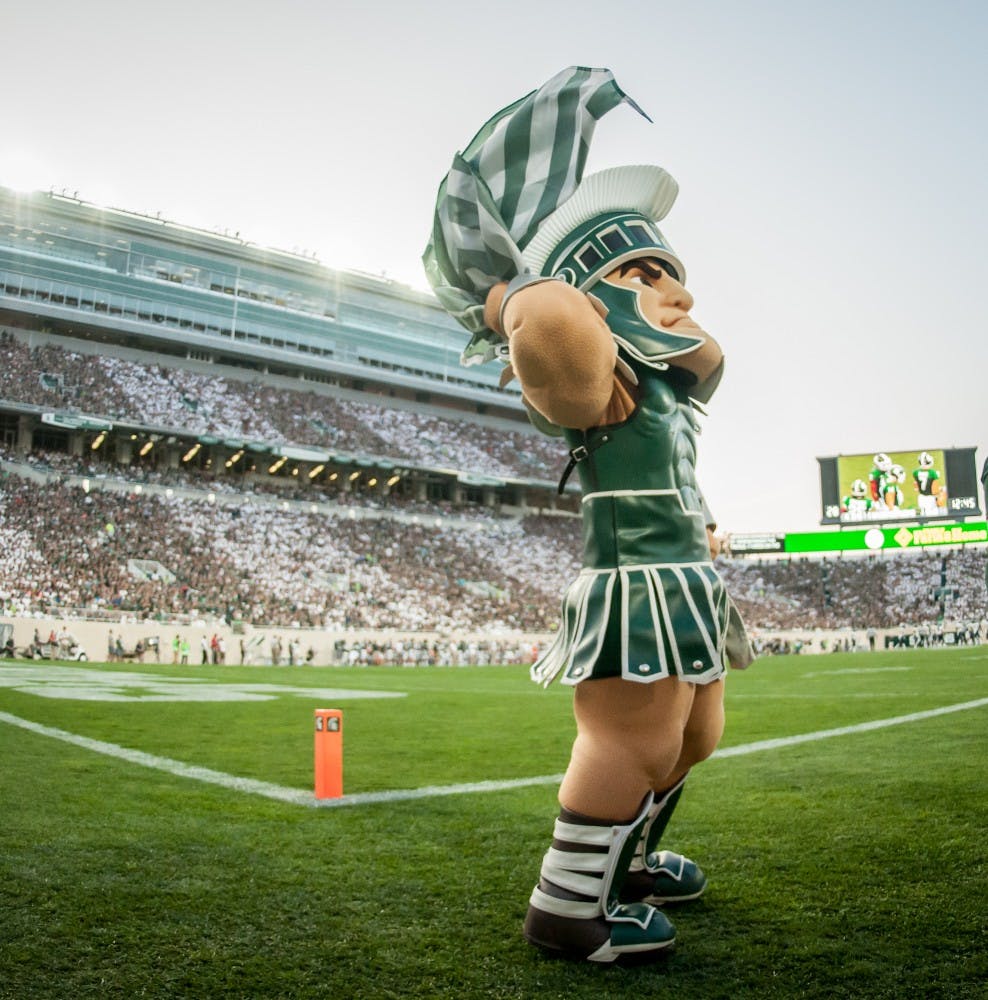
562,352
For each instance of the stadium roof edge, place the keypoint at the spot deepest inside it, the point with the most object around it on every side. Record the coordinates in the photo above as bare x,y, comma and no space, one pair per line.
157,222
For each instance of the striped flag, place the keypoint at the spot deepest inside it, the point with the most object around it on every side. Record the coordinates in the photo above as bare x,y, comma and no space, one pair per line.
521,166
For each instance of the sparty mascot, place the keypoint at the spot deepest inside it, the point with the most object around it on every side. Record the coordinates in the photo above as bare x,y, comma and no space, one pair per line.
570,284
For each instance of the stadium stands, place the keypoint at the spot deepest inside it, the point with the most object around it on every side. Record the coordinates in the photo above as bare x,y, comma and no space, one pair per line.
881,591
296,445
120,277
66,550
169,397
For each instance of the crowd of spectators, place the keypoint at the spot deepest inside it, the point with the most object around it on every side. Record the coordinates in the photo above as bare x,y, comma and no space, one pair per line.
880,591
66,550
420,653
100,468
180,398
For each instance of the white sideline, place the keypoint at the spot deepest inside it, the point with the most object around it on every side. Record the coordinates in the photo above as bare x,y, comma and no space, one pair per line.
301,797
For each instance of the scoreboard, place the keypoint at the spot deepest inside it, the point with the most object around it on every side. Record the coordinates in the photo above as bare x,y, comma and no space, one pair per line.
918,486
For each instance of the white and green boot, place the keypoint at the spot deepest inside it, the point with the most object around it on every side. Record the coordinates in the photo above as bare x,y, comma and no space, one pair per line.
575,910
658,877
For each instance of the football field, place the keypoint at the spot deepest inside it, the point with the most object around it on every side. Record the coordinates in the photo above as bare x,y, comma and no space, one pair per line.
159,836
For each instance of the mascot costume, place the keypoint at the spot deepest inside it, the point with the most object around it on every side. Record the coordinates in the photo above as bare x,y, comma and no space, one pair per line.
569,282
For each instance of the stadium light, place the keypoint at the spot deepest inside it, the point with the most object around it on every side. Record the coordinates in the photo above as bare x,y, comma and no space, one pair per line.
354,475
393,480
315,471
148,445
100,438
333,476
191,453
372,482
273,468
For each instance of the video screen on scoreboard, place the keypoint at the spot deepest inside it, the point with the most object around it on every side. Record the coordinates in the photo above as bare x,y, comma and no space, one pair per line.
919,484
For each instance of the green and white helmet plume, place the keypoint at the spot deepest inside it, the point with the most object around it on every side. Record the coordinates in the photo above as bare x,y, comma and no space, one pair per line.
515,202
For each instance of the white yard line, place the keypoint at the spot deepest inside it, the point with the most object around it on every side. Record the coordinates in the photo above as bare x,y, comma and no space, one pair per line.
856,670
302,797
249,785
860,727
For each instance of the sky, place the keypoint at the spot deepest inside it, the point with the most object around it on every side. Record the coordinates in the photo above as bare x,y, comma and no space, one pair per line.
831,160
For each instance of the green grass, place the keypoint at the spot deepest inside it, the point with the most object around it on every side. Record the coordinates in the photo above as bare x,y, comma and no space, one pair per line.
849,867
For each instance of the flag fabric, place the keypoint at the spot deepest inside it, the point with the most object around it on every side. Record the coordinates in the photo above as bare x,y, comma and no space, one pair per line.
522,165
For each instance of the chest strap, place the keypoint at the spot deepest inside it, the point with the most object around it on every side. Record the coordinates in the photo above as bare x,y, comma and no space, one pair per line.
582,453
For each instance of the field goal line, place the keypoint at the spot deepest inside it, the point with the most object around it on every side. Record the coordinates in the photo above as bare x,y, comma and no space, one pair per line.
300,797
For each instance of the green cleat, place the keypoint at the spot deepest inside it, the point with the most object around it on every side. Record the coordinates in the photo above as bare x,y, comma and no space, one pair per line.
575,910
630,932
665,878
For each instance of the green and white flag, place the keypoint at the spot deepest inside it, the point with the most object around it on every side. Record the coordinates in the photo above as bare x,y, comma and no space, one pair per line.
518,169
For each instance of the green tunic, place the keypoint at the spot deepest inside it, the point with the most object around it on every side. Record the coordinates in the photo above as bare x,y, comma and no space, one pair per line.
648,603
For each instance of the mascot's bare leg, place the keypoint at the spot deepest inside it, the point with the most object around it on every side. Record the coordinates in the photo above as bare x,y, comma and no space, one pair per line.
660,877
633,740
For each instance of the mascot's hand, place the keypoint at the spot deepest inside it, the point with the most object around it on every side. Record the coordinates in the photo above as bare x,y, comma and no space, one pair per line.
560,347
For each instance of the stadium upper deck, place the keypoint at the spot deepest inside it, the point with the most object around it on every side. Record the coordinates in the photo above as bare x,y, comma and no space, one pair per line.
111,275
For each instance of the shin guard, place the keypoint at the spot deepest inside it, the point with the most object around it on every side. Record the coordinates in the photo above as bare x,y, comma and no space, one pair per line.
661,876
575,910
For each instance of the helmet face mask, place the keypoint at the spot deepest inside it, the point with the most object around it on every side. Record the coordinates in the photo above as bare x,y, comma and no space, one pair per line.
859,489
925,460
632,331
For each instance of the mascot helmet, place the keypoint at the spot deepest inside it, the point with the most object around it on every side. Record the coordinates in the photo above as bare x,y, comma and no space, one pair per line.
609,219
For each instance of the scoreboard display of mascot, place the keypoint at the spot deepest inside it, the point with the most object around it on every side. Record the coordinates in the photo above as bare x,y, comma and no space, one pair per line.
571,285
